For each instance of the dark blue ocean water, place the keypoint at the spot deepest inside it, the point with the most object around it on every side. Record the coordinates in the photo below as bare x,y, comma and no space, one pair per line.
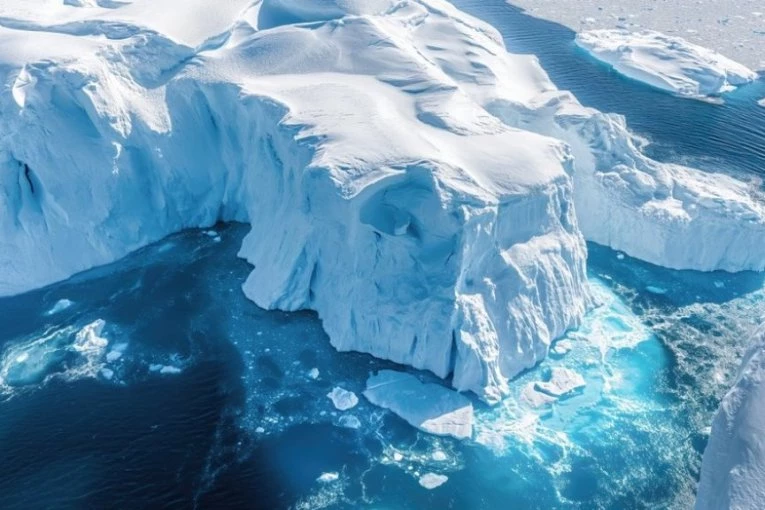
189,396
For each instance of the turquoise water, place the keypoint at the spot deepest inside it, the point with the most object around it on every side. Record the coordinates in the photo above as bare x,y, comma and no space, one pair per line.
156,384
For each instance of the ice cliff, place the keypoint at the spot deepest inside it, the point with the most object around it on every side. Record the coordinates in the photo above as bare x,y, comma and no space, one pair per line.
403,175
733,468
666,62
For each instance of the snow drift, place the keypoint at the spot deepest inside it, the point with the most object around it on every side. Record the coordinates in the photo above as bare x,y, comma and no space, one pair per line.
733,468
402,174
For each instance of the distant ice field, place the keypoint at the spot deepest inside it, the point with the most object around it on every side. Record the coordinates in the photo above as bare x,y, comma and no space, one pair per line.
735,28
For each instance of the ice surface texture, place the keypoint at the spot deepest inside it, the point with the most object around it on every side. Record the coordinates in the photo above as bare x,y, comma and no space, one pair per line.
403,175
666,62
733,469
429,407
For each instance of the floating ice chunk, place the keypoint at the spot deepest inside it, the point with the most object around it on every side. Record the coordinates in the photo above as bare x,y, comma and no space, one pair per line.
349,421
89,339
433,480
107,373
439,456
169,370
761,102
155,367
113,356
313,373
562,347
398,457
59,306
429,407
666,62
535,398
343,399
211,233
563,381
656,290
260,430
328,477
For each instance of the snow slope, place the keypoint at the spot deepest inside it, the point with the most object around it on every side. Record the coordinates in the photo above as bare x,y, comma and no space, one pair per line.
666,62
403,175
733,468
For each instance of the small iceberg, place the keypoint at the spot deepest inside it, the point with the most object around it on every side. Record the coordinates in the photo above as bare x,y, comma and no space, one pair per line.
429,407
666,62
432,480
328,477
563,382
343,399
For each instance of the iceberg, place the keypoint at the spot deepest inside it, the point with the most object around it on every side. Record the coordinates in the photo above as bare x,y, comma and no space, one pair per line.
666,62
733,466
428,407
422,189
379,190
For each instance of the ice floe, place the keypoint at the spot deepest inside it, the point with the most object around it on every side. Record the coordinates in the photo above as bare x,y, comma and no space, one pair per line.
429,407
343,399
666,62
432,480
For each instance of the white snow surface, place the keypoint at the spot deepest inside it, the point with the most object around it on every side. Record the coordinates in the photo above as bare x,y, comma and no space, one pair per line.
403,175
666,62
733,468
429,407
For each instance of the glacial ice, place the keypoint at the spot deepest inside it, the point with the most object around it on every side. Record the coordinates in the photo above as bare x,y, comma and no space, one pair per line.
432,480
666,62
733,468
562,382
343,399
403,175
429,407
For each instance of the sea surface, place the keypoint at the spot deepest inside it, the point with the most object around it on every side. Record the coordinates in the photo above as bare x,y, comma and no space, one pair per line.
154,383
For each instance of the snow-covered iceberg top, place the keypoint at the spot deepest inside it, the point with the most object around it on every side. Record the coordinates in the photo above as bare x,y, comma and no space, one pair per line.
733,469
429,407
666,62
